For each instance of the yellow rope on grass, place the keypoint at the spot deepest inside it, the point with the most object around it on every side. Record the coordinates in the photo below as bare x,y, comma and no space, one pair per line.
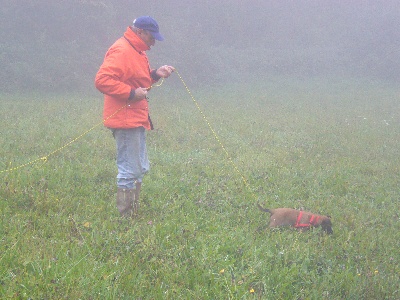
229,157
45,158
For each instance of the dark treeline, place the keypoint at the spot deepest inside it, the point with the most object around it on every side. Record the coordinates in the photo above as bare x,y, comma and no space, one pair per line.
59,45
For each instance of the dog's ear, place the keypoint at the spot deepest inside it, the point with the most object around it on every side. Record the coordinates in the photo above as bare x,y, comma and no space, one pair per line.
326,225
326,221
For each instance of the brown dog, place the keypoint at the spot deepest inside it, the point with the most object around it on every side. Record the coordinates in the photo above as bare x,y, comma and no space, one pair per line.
297,219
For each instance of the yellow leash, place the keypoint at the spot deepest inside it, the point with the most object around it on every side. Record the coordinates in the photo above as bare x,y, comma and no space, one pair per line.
45,158
216,135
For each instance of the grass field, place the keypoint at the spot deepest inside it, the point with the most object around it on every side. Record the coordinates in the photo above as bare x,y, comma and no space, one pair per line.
330,147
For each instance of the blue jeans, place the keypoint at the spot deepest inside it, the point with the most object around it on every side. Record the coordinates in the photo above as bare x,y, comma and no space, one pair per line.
132,160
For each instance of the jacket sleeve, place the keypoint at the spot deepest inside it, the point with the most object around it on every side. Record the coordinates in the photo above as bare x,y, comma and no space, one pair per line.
109,78
154,76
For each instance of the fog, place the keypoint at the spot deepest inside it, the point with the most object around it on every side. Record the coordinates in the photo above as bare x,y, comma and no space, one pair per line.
59,45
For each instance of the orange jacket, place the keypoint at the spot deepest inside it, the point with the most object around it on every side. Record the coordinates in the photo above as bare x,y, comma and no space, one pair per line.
125,67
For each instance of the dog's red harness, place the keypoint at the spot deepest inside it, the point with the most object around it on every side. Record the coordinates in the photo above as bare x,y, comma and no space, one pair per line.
313,220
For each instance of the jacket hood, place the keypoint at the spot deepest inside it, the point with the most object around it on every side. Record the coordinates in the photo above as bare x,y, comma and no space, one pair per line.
135,40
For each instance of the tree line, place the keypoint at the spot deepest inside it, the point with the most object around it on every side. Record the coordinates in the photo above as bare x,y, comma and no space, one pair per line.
57,46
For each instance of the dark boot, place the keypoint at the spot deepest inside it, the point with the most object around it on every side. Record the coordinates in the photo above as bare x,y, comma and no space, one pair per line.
125,198
136,199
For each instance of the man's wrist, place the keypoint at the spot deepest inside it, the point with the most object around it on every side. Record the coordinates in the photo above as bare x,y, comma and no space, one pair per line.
132,94
154,75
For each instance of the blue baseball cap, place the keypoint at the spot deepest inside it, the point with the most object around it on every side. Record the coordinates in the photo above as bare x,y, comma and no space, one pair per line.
148,23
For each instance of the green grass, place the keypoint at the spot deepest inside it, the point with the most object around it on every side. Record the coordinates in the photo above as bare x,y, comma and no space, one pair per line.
329,147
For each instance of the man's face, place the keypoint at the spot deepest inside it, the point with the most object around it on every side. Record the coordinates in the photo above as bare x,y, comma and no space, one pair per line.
147,37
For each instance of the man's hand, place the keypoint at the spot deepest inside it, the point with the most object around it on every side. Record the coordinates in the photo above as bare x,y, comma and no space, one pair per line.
165,71
138,94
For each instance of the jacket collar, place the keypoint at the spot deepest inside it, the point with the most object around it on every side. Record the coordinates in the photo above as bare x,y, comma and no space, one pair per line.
135,41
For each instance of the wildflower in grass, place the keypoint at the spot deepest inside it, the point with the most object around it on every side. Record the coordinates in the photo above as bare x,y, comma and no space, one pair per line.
376,272
87,224
222,271
251,291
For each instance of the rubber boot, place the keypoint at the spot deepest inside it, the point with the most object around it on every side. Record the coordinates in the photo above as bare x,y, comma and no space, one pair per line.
125,198
136,199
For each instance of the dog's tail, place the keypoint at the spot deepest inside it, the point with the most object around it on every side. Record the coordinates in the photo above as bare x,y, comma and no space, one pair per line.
263,209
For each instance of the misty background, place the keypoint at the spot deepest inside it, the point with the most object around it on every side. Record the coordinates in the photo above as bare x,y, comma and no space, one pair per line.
58,46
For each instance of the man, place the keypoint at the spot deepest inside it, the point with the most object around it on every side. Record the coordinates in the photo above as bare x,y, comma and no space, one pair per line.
125,78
